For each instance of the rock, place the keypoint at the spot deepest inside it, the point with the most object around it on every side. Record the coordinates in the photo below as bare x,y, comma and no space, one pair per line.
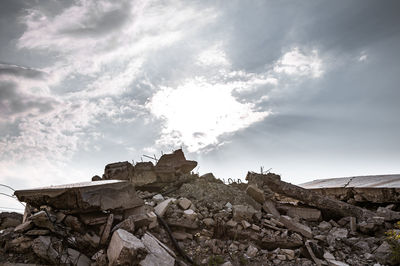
324,226
96,178
228,263
181,235
37,232
366,227
255,227
369,256
157,255
42,246
184,203
336,263
77,258
74,223
107,229
353,224
190,214
329,256
23,227
162,207
84,197
339,233
308,214
100,257
10,219
20,244
41,219
243,212
158,198
92,239
128,225
269,207
208,222
290,254
93,218
281,257
251,251
383,253
256,193
125,248
295,226
231,223
245,224
363,246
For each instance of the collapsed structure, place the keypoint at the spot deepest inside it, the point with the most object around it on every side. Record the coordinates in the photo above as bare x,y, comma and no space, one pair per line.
163,214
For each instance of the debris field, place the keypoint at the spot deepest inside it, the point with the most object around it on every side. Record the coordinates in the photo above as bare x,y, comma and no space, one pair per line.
164,214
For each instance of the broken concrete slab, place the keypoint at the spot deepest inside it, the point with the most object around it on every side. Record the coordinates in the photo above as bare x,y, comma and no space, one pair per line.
373,188
308,214
162,207
144,174
256,193
295,226
84,197
23,227
310,198
107,229
157,254
269,207
125,248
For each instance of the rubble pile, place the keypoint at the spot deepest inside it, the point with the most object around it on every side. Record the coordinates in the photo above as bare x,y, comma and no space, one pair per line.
165,215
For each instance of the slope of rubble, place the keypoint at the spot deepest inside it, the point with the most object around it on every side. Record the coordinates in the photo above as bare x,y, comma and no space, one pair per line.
163,214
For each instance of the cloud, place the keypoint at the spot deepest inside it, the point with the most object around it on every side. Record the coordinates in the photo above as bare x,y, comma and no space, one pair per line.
296,62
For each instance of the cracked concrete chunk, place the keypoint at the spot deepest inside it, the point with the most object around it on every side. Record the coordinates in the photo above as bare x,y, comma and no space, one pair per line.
184,203
125,248
256,193
162,207
308,214
84,197
295,226
118,171
157,254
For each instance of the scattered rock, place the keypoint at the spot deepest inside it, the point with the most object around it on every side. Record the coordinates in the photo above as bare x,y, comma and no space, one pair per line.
125,248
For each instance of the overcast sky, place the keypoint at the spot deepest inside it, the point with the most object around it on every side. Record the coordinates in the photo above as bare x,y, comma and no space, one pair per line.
307,88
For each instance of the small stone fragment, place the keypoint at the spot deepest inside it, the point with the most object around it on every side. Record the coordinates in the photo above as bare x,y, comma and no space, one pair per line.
184,203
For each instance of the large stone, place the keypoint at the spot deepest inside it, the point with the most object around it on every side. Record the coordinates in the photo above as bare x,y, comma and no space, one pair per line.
118,171
308,214
184,203
84,197
74,223
125,248
243,212
256,193
42,219
162,207
157,254
296,226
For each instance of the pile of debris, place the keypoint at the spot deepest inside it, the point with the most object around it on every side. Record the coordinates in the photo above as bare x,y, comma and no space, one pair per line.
165,215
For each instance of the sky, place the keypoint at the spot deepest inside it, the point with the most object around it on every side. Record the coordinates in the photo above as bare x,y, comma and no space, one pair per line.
307,88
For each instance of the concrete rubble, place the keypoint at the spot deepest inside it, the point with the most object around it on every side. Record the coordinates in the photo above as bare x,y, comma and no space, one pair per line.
163,214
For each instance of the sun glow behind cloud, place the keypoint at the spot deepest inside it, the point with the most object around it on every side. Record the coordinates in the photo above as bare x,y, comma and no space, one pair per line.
197,113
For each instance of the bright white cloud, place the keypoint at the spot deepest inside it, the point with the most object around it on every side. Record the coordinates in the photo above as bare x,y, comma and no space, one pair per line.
197,113
214,56
298,63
